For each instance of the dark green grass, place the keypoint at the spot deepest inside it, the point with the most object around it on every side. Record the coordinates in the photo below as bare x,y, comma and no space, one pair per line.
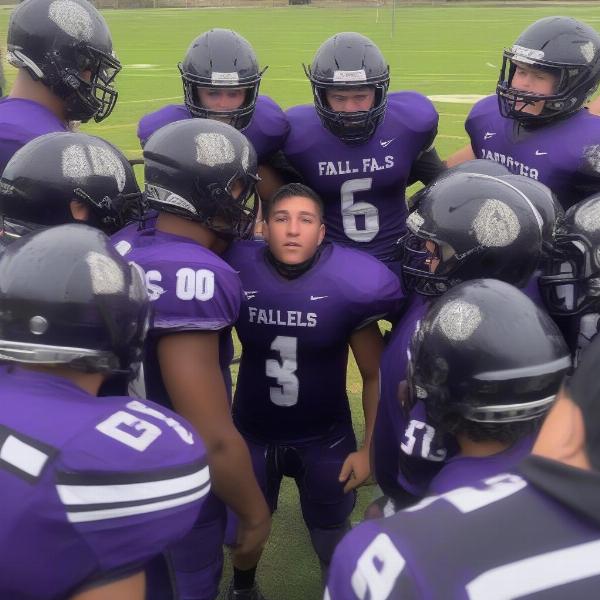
435,50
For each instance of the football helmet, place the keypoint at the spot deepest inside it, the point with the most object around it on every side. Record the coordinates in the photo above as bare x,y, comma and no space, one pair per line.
348,61
563,46
477,165
68,298
44,176
221,58
192,168
545,202
60,42
485,351
571,284
480,226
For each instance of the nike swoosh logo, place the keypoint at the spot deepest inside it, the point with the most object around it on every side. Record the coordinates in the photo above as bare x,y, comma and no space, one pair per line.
386,143
318,297
488,135
538,153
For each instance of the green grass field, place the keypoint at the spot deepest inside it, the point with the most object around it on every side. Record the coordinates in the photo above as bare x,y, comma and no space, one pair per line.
438,51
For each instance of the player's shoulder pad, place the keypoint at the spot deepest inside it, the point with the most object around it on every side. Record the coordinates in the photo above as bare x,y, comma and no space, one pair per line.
270,118
413,110
242,253
130,457
484,108
150,122
362,276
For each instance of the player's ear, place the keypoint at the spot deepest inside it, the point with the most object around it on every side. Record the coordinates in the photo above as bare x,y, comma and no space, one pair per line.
79,210
321,233
265,230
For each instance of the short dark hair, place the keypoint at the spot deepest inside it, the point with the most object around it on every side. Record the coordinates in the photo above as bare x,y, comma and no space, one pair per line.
290,190
505,433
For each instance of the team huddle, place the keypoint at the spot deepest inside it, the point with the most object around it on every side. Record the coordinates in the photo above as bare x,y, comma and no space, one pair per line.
129,460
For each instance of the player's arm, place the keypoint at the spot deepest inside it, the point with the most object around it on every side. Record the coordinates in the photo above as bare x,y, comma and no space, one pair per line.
460,156
367,347
130,588
427,167
189,364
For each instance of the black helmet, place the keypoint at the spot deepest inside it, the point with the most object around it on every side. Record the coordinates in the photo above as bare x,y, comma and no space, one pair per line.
545,202
44,176
571,284
485,351
480,166
481,226
68,298
563,46
221,58
191,168
348,61
56,41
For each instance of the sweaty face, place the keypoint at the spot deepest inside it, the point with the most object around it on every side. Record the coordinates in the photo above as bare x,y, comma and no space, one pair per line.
354,100
221,99
294,230
534,81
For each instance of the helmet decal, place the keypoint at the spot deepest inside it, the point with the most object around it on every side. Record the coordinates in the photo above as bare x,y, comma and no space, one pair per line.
72,18
588,217
458,320
496,225
80,161
214,149
106,275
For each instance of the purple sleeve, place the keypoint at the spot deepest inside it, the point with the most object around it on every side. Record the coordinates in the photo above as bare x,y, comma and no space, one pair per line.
194,296
479,114
367,564
155,120
268,129
132,484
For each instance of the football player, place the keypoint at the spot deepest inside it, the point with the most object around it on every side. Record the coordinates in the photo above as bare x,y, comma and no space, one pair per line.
221,79
571,283
359,147
66,71
543,516
536,124
200,176
64,177
306,302
92,488
466,226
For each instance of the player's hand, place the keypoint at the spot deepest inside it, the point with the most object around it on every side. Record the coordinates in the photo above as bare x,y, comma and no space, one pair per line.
252,535
355,470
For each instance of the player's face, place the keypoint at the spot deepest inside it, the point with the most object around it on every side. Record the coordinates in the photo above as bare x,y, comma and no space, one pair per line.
294,230
536,81
562,436
221,99
348,101
432,260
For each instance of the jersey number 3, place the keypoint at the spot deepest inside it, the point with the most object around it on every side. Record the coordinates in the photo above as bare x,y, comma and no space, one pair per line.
285,393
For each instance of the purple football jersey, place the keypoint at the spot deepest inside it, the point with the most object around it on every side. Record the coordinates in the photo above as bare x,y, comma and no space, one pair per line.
292,380
92,488
564,154
459,471
21,121
503,537
191,289
363,186
267,130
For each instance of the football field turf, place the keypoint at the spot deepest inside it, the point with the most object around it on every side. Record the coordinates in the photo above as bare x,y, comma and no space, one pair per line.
449,53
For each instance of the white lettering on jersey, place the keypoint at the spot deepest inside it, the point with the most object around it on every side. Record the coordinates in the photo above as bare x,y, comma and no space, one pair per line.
537,573
285,393
287,318
377,569
368,164
174,424
129,430
512,164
